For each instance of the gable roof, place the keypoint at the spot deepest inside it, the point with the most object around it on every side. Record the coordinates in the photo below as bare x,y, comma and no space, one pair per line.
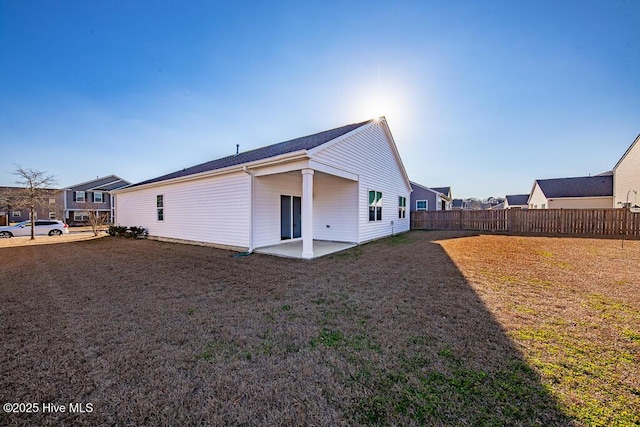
585,186
432,189
627,152
298,144
517,199
106,183
443,190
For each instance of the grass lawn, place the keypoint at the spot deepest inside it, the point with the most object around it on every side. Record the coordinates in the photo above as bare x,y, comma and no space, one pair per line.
425,328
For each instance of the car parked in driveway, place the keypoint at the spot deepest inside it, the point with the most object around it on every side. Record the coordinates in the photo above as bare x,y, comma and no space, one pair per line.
48,227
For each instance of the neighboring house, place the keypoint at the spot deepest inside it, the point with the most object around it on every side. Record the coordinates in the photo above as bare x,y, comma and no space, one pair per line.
12,208
588,192
516,201
499,206
95,196
457,204
626,177
345,185
430,198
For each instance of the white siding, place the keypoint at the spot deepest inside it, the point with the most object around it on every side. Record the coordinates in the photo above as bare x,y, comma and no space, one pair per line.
581,203
335,208
212,210
369,155
537,198
626,177
267,192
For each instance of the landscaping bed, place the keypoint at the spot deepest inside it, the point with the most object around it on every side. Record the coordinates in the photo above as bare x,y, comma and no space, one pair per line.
427,328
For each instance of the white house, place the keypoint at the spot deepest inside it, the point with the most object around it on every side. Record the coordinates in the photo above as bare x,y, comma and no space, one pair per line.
626,177
516,201
345,185
586,192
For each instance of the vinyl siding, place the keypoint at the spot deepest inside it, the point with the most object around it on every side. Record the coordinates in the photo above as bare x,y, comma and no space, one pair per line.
212,210
335,208
626,177
369,155
422,194
537,198
581,203
267,192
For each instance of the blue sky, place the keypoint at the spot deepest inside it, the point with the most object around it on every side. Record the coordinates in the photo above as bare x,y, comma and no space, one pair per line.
482,96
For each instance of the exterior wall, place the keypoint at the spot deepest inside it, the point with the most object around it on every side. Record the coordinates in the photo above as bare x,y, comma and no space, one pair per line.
335,208
334,204
626,177
537,198
369,155
13,211
581,203
267,191
211,210
422,194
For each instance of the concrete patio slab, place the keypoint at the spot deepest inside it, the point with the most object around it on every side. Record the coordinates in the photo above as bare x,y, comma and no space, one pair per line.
294,249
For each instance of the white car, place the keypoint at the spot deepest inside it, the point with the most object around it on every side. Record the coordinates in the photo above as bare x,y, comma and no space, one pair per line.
50,227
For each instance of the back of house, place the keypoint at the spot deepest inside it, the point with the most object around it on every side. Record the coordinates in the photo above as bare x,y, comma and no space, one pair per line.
346,184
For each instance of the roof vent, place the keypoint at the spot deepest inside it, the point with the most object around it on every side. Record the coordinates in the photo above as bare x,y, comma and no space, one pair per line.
237,149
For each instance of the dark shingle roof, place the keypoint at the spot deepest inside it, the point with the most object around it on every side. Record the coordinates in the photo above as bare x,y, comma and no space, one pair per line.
443,190
304,143
586,186
517,199
106,183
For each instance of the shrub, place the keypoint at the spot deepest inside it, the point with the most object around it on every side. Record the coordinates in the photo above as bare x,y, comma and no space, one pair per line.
121,231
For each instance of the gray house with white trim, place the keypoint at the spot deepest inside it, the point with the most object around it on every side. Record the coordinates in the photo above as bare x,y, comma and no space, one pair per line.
430,198
95,195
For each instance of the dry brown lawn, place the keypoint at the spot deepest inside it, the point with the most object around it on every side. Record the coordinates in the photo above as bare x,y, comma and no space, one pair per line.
48,240
426,328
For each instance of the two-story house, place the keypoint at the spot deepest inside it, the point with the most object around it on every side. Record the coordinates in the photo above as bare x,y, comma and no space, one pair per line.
14,208
91,196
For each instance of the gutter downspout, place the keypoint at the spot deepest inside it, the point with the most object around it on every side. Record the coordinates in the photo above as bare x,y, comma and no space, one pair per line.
247,171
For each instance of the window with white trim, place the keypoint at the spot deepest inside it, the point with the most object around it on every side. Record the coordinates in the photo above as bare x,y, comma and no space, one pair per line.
52,215
422,205
375,205
80,196
160,207
98,197
80,216
15,214
402,207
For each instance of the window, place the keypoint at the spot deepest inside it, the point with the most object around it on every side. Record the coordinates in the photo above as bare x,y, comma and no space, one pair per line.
52,215
52,201
375,206
160,207
15,214
98,198
80,216
79,196
544,206
422,205
402,207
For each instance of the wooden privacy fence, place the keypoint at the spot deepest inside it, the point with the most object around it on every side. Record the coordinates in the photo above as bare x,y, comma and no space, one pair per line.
599,222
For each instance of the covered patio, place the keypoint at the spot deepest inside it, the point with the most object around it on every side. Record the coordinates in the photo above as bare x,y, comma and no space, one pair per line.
293,249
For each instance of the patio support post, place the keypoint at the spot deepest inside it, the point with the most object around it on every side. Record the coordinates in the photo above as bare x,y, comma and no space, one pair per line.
307,213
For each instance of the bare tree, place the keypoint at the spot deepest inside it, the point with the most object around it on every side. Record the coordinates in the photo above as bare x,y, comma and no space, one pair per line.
97,219
35,185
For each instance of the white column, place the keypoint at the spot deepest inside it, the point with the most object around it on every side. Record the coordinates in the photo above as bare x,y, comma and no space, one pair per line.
307,213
